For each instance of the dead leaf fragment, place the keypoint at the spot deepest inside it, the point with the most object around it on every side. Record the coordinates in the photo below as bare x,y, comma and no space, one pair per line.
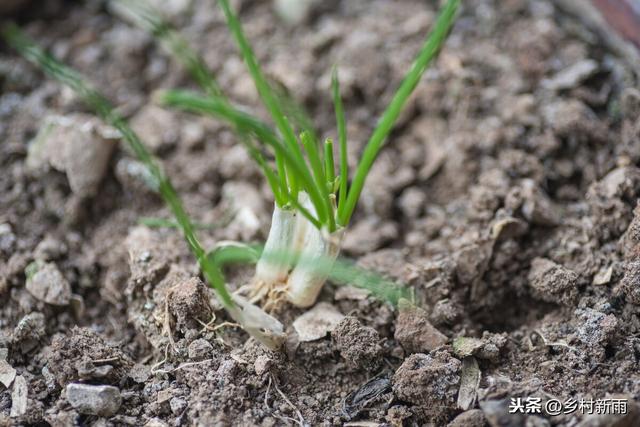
19,397
7,373
469,383
317,322
351,293
360,398
464,347
603,276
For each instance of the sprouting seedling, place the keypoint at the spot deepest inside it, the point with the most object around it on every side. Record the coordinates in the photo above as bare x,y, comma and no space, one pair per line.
313,205
254,320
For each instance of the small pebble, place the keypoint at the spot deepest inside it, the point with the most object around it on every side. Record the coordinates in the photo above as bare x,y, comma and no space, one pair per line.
100,400
262,364
46,283
7,373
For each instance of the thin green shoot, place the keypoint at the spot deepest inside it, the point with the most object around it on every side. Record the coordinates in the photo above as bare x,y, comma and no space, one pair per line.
278,189
264,89
292,177
144,16
292,109
27,48
429,51
228,253
342,140
276,111
155,222
329,165
311,147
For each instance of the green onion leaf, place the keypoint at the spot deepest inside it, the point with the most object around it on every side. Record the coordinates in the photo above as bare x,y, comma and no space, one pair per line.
429,50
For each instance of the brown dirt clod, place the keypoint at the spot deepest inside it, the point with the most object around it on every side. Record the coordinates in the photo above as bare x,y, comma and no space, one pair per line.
83,354
630,283
430,381
552,282
189,303
358,344
414,331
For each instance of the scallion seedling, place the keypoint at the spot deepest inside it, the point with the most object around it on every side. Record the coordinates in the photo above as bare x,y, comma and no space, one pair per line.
313,205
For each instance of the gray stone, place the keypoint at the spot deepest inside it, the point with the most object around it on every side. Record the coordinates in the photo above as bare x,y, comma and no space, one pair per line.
571,76
78,145
100,400
156,126
293,12
262,364
7,373
46,283
19,397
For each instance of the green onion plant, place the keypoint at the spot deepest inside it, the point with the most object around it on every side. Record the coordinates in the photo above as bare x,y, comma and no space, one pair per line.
314,200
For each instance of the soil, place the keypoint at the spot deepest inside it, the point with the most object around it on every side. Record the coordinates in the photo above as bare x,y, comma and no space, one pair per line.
506,198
